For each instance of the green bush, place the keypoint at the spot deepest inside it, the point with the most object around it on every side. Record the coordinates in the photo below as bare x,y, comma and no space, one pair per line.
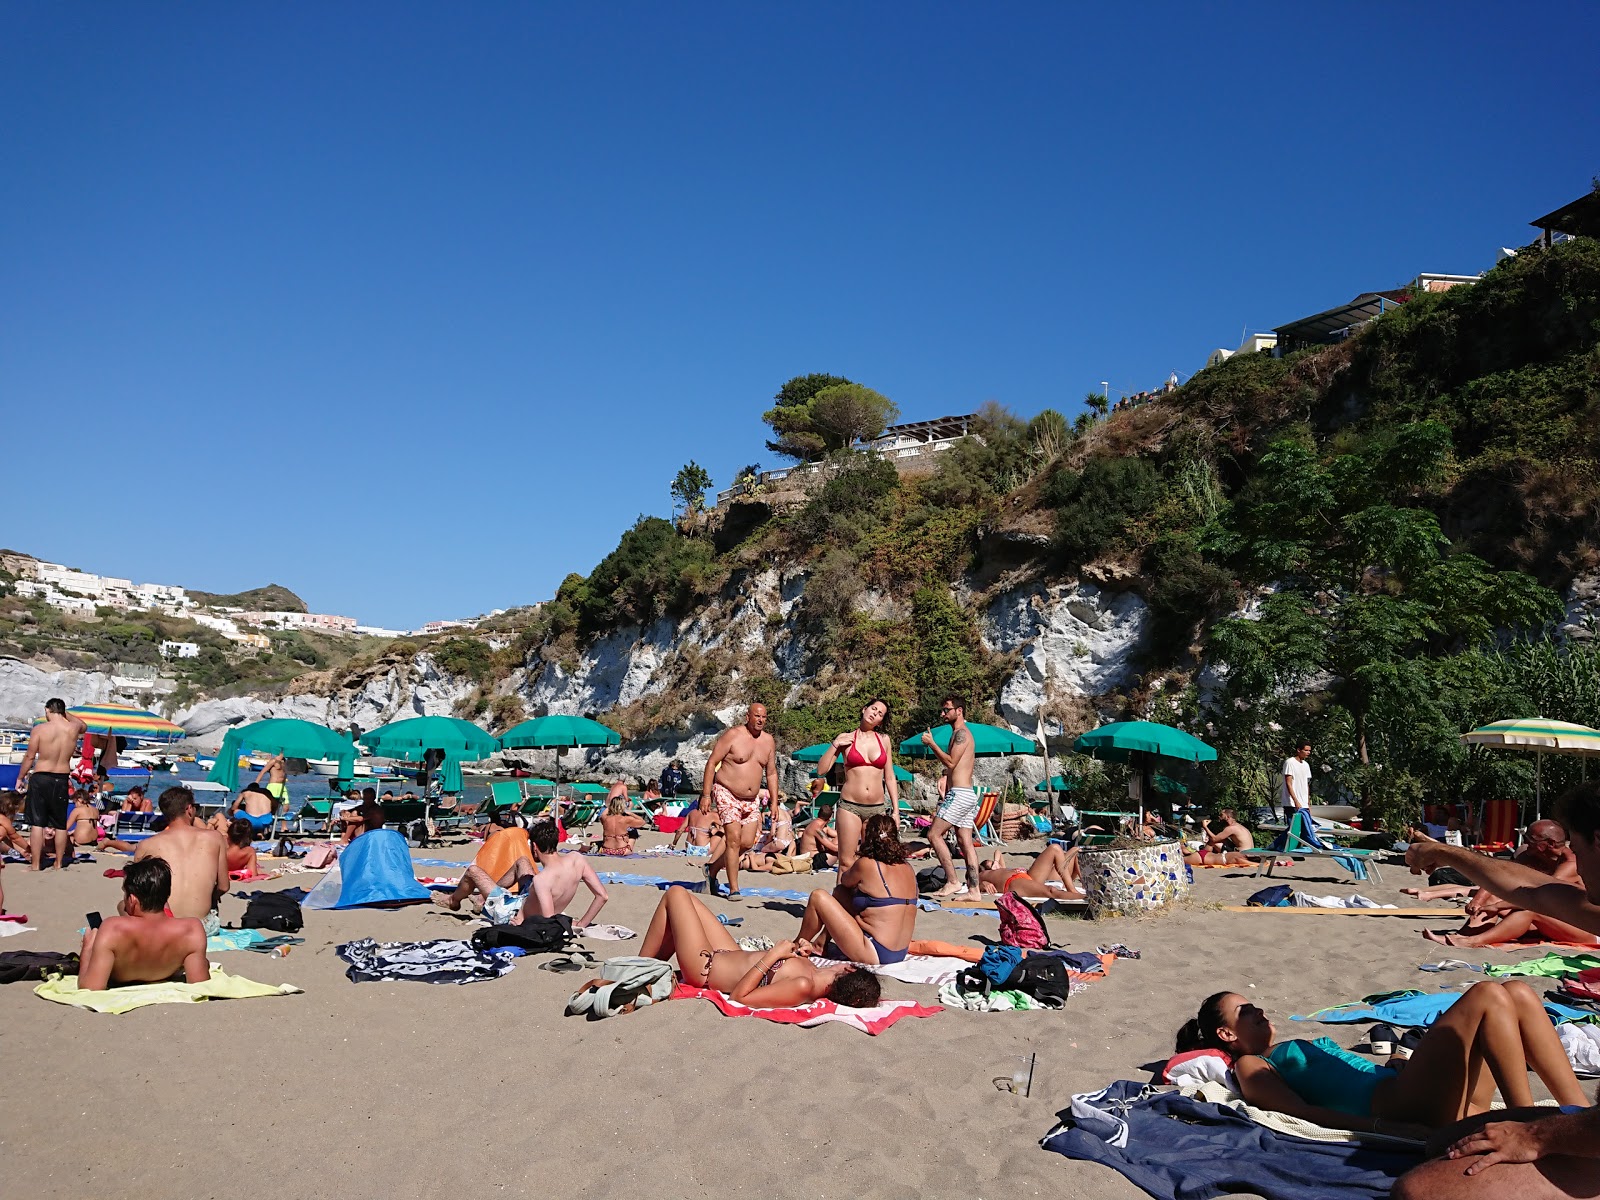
1095,507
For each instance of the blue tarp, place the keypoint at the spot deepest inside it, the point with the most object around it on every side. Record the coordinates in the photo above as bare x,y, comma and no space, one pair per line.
1175,1148
376,868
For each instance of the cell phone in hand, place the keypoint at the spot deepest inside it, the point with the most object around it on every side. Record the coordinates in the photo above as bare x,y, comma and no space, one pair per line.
93,919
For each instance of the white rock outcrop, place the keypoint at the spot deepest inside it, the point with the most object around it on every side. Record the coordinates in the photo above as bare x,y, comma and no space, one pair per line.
24,688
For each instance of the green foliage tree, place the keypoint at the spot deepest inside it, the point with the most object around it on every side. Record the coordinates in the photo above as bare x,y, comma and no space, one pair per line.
689,487
1097,403
812,421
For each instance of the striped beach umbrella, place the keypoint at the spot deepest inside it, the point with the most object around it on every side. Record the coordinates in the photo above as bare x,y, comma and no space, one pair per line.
121,720
1540,736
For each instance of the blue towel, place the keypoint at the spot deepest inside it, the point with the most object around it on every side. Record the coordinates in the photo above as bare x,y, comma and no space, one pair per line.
1422,1008
1175,1148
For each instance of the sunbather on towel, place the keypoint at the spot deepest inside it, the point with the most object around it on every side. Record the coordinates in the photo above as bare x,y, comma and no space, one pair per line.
241,847
1225,838
559,876
699,825
1053,864
83,824
1492,920
505,860
708,957
1494,1033
143,944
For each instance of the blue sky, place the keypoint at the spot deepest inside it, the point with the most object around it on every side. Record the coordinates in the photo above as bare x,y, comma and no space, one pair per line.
413,308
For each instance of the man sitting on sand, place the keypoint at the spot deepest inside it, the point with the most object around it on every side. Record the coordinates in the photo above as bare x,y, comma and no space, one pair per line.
1491,920
816,838
557,881
1225,838
197,856
254,804
505,860
143,944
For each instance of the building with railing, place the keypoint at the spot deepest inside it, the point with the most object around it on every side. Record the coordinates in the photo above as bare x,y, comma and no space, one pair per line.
911,448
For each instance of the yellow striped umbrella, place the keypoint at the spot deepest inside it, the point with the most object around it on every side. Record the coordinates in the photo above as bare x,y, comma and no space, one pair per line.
1542,737
121,720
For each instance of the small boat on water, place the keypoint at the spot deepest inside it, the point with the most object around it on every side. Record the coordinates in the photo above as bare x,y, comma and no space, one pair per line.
13,745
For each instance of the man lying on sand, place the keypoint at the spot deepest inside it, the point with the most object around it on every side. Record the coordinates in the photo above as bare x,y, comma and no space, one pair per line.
143,944
1492,920
197,856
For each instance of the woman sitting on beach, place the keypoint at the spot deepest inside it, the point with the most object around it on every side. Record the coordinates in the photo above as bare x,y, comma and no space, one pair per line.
868,778
708,957
615,826
1494,1033
241,847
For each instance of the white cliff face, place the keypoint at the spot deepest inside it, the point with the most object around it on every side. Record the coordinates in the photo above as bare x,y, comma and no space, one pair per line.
25,688
1075,639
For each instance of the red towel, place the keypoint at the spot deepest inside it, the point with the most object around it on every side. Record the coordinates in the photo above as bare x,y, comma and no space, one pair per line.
818,1012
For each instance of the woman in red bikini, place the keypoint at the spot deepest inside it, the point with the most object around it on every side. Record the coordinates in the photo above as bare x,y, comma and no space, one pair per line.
868,779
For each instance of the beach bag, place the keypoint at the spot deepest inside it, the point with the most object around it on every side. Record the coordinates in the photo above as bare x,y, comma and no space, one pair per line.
502,906
628,983
273,910
321,856
999,963
791,864
1020,923
1280,896
536,935
970,980
1045,979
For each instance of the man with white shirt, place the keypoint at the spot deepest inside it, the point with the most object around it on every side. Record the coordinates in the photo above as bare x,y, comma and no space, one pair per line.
1295,791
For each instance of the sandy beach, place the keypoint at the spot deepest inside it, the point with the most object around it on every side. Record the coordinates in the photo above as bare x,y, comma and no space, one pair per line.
374,1090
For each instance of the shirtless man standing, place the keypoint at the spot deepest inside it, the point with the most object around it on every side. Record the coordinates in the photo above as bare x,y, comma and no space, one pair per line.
278,786
747,755
557,881
959,808
197,855
143,944
49,758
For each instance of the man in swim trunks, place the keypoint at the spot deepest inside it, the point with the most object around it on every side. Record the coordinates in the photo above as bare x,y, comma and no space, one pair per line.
197,856
143,944
255,805
959,808
44,774
740,760
278,787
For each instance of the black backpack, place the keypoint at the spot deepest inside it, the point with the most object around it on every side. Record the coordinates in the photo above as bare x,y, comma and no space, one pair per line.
1043,978
272,910
536,935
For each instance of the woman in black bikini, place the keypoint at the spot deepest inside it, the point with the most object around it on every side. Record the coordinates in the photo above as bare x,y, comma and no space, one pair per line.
868,778
708,957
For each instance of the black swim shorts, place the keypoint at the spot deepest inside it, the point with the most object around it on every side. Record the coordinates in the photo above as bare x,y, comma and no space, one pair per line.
47,796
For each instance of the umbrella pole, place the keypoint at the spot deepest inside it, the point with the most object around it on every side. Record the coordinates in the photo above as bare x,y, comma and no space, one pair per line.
1049,784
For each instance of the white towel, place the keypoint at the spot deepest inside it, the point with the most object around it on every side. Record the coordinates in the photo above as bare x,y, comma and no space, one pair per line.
914,968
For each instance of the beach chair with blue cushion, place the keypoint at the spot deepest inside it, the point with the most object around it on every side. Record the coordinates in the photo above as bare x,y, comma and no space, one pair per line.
1300,841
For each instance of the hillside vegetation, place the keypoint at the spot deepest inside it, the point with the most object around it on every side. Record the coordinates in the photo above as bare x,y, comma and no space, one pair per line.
272,598
1364,544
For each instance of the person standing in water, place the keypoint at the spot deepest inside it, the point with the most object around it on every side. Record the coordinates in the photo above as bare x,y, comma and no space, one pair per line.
869,789
744,759
959,808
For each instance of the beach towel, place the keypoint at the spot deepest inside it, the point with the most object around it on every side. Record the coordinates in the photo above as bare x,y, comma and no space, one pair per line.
375,869
1582,1044
441,961
1549,966
819,1012
607,933
221,986
1421,1008
1177,1148
629,980
998,1000
249,939
12,928
913,968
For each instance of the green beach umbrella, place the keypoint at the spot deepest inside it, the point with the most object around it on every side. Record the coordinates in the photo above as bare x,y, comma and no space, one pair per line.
588,789
410,740
1057,783
1540,736
286,736
811,754
988,741
558,733
1115,742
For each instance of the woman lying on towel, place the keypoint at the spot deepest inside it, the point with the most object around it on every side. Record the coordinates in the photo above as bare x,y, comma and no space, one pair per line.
708,957
1493,1034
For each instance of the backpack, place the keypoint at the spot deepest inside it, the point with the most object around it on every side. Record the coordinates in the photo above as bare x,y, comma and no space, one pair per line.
1045,979
536,935
1020,923
272,910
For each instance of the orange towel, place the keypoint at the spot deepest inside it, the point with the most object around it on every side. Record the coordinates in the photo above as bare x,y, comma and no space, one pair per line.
502,848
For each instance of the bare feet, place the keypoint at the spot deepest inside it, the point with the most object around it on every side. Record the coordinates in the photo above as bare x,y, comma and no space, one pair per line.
447,900
1443,937
950,889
